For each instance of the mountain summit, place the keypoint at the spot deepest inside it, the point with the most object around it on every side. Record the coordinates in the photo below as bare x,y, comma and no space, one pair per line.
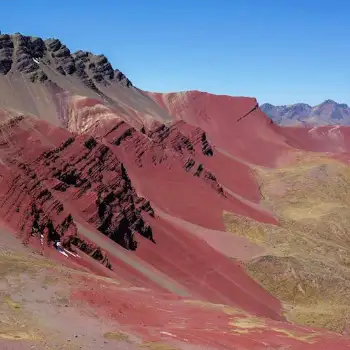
37,59
36,75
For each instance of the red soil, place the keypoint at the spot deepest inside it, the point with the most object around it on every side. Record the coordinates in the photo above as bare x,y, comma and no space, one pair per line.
106,182
207,274
161,317
234,126
334,139
158,174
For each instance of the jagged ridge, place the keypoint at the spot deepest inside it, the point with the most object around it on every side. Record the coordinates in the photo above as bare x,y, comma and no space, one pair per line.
27,55
164,145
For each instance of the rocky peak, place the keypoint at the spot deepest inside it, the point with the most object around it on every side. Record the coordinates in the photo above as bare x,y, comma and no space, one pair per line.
267,106
300,109
6,50
29,56
329,102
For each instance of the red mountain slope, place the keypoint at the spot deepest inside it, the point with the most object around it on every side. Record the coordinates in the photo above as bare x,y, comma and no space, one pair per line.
134,186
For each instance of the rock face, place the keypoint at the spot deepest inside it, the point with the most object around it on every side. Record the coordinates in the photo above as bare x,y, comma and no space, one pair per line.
327,113
32,56
175,137
30,206
79,170
95,173
6,52
165,146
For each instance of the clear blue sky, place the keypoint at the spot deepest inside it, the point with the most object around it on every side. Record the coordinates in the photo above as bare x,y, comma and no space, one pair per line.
280,51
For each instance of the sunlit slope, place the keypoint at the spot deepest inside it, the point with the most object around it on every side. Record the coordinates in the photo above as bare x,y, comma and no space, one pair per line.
308,260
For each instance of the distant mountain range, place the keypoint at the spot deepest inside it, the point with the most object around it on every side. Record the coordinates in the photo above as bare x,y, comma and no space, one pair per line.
328,112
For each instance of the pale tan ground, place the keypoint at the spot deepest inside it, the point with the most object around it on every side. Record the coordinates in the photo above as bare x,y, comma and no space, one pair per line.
19,95
35,311
307,264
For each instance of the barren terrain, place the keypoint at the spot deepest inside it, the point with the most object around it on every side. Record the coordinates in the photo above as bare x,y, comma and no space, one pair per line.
188,220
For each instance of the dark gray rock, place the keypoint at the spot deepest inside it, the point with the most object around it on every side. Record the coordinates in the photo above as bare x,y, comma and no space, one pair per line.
69,66
23,52
38,47
29,55
53,44
38,76
61,56
119,76
61,70
6,41
62,52
6,51
81,55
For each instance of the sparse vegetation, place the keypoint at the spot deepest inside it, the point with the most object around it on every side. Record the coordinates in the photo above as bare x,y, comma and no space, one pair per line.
116,336
307,260
158,346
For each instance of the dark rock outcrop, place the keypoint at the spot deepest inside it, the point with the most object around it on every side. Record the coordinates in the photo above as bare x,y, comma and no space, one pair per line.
28,55
82,172
95,172
97,69
61,56
177,144
6,51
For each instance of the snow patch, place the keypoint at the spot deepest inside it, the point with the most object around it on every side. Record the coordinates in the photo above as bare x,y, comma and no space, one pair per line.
167,333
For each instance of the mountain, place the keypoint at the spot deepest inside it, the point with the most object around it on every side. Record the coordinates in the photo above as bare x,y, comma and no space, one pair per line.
181,220
327,113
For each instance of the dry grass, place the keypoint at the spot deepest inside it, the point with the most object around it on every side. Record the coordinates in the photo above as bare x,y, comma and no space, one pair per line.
14,323
117,336
306,338
10,303
249,324
17,321
17,335
229,310
158,346
308,261
15,264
